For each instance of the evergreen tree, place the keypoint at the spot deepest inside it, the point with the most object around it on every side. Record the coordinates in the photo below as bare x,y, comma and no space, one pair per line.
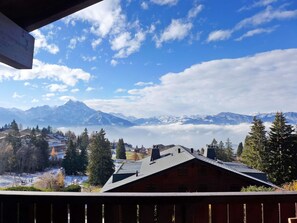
239,149
228,150
69,162
253,154
100,166
83,156
281,152
121,150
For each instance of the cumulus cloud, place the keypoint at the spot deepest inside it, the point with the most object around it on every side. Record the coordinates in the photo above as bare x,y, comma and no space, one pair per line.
165,2
96,43
125,44
263,82
41,70
254,32
73,41
41,43
177,30
106,17
34,100
57,87
108,21
144,5
219,35
114,62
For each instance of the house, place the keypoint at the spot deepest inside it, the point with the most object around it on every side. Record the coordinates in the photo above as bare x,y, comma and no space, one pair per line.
179,169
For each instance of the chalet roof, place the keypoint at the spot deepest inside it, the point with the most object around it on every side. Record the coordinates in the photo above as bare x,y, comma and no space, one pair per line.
171,158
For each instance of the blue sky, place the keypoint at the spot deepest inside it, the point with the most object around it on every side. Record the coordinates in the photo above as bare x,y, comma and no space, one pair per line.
164,57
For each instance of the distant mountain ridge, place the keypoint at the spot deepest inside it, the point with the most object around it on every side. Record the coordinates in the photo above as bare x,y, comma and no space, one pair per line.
75,113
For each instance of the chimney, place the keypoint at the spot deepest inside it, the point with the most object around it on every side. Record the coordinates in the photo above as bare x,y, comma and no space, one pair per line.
178,150
210,152
155,153
192,150
137,173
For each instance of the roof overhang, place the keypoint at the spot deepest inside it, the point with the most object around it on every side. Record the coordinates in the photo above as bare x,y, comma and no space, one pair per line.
18,17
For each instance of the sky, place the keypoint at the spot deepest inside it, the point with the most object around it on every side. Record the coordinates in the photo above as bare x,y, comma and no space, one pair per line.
164,57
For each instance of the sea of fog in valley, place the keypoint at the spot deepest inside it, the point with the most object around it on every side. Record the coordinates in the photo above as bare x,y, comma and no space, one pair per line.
194,136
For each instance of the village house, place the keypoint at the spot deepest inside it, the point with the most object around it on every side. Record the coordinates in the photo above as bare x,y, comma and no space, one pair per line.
179,169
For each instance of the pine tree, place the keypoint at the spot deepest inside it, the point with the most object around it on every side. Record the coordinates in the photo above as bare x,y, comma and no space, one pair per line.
253,154
228,150
100,166
121,150
239,149
69,162
83,156
281,152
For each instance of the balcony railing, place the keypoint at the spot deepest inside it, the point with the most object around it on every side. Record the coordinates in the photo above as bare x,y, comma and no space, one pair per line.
40,207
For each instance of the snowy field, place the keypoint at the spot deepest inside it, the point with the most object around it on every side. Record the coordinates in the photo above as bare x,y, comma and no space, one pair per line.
7,180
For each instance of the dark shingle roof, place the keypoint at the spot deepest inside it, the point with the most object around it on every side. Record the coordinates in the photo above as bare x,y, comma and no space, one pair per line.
170,158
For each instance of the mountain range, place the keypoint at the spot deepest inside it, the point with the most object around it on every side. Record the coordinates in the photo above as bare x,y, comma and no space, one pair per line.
75,113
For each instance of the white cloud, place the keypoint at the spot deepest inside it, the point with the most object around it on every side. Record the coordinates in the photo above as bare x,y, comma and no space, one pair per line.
96,43
90,89
35,100
260,3
108,21
41,42
75,90
266,16
57,87
177,30
263,82
41,70
88,58
27,84
49,95
165,2
254,32
120,90
75,40
144,5
106,17
126,45
141,84
16,95
114,62
195,11
218,35
67,98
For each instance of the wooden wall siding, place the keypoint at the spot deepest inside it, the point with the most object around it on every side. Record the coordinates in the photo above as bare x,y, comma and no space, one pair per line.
39,207
193,176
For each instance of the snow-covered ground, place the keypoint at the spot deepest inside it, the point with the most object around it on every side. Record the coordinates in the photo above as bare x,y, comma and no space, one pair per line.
7,180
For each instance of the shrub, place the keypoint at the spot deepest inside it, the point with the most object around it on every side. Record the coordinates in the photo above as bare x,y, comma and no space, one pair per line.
22,188
256,189
72,188
292,186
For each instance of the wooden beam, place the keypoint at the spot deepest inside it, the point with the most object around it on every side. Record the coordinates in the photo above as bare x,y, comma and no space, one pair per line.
16,44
